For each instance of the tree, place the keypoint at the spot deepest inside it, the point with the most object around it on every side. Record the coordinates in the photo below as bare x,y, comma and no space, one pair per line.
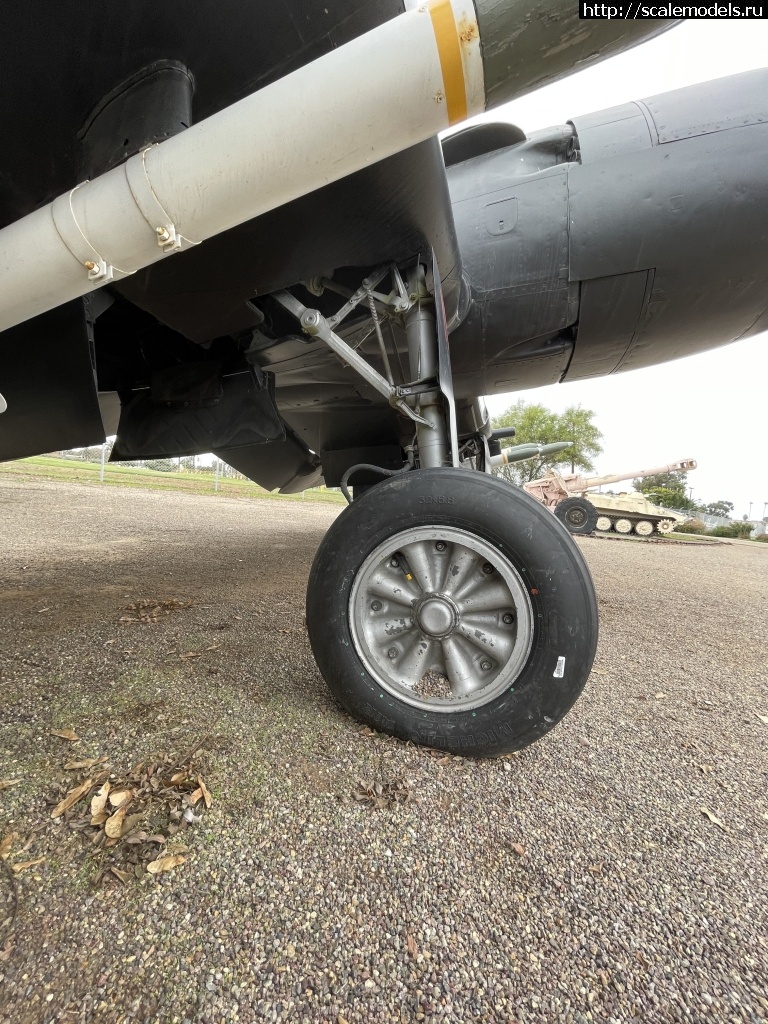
667,489
536,423
717,508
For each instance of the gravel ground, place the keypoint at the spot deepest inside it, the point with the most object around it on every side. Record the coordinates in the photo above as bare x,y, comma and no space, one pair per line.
576,881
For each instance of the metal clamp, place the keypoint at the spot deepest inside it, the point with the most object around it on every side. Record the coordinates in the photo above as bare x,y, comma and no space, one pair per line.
422,387
72,235
152,210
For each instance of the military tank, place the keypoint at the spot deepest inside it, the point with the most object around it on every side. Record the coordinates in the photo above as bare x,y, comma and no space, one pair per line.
567,495
631,512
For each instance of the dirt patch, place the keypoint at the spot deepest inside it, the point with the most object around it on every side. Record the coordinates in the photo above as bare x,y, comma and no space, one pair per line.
339,873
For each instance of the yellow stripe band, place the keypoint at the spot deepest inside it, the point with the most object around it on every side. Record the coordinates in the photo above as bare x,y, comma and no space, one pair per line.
449,51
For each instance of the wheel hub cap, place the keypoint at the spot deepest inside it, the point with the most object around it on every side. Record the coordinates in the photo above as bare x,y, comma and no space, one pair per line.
437,616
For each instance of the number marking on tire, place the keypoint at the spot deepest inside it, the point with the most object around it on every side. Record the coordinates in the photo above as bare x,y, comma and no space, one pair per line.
559,668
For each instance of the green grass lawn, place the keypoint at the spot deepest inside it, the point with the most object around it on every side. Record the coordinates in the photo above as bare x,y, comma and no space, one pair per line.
45,467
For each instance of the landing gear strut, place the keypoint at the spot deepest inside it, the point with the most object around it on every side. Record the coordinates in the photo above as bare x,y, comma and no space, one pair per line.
446,606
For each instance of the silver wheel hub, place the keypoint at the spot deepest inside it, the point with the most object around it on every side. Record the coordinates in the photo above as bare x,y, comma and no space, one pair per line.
441,619
436,616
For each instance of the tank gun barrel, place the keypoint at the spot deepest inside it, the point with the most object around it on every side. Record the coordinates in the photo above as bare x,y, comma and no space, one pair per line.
520,452
683,466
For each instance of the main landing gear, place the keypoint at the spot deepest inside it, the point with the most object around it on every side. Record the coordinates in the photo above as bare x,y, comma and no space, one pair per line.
446,606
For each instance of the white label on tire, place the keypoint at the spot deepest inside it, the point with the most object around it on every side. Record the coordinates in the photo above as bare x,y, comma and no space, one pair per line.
559,668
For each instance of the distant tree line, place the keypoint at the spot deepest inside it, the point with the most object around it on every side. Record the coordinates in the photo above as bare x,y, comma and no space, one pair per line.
180,464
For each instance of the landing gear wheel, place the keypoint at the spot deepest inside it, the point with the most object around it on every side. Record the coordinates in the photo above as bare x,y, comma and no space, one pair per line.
665,526
578,514
644,528
603,524
450,608
623,526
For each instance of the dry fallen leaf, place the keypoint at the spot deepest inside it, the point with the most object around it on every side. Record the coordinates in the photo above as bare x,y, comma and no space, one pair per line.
120,797
66,734
130,823
713,818
114,826
7,783
122,875
194,797
165,863
597,869
23,865
411,944
659,695
8,948
100,818
89,762
763,719
6,844
206,792
99,802
71,798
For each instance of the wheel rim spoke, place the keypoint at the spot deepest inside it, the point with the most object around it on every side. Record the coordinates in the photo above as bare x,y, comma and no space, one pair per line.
423,565
384,629
392,588
484,596
459,567
485,620
459,668
494,644
414,662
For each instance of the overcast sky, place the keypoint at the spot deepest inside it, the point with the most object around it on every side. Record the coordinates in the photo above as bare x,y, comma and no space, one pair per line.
710,407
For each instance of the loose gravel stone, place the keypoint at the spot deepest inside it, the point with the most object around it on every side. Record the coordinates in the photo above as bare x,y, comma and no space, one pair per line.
576,881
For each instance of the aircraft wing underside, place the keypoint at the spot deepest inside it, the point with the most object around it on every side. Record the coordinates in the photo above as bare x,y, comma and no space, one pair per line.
617,240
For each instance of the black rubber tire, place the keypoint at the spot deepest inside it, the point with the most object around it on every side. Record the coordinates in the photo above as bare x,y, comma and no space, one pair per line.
578,515
530,538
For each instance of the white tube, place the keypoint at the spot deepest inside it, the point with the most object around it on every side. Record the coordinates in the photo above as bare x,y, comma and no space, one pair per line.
389,89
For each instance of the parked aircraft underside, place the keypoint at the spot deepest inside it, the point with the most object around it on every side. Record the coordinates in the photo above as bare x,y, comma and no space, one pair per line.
349,330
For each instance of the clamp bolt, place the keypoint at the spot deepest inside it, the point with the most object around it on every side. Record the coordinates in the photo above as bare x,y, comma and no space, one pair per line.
90,265
163,234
